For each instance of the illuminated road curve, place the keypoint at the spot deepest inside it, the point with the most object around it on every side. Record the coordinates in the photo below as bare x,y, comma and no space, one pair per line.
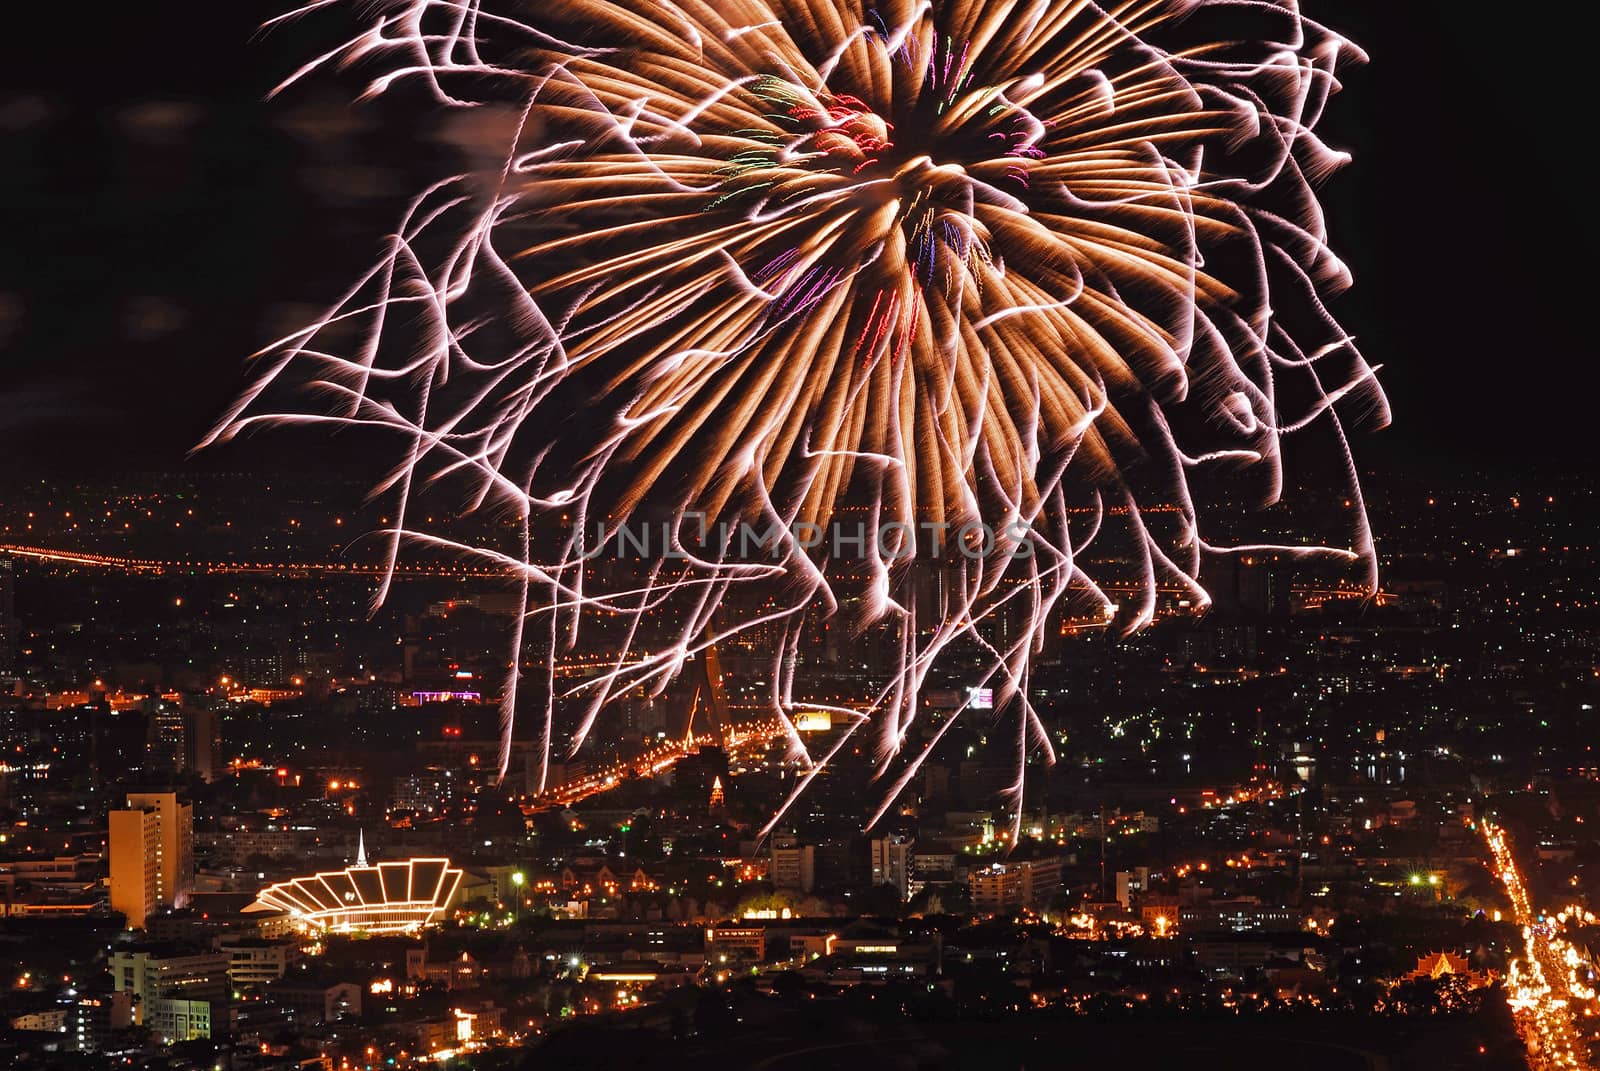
756,736
1542,986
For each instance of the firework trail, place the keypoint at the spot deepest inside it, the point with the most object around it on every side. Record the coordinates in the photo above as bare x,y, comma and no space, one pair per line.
1007,281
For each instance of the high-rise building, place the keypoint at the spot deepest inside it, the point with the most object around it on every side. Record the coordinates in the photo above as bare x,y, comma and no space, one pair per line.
184,740
931,866
891,863
202,739
166,739
793,867
9,627
119,740
95,1017
135,864
1130,883
995,887
152,855
1028,883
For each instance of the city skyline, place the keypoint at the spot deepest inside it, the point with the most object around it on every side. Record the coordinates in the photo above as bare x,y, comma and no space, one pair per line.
961,534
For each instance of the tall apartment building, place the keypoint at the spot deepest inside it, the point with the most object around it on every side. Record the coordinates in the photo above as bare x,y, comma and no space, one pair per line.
9,628
891,863
185,740
202,738
152,855
1026,883
793,867
165,744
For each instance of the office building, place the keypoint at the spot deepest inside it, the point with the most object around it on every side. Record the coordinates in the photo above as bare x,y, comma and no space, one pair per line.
174,989
152,855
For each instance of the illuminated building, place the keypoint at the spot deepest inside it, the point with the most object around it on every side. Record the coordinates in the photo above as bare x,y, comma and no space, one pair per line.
1238,916
866,954
930,867
1439,965
152,855
583,881
254,961
397,897
172,989
743,943
318,1000
57,886
1130,882
813,721
1027,883
8,620
891,863
418,698
95,1017
53,1021
167,744
177,1019
186,739
995,887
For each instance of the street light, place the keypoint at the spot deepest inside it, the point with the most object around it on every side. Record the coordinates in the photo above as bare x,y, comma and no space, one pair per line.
517,878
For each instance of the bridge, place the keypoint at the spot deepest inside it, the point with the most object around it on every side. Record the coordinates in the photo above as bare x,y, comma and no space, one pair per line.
241,567
1312,593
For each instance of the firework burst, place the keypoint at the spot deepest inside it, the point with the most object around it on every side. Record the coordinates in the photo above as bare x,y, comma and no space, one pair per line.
1020,284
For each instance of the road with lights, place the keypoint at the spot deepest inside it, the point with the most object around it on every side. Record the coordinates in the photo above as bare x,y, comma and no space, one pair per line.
1550,986
753,737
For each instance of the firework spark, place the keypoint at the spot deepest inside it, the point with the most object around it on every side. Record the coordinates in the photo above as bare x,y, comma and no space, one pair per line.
1014,278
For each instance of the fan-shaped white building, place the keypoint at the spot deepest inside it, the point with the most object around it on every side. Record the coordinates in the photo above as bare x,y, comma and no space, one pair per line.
397,897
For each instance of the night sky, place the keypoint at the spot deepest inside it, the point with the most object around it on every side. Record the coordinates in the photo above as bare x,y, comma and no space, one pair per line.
166,220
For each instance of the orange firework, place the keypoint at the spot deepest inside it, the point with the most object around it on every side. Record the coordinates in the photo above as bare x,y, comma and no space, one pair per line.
995,280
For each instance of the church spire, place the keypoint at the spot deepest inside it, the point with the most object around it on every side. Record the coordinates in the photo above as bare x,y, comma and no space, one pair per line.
361,848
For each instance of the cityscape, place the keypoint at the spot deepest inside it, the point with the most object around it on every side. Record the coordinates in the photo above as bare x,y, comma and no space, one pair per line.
635,534
248,824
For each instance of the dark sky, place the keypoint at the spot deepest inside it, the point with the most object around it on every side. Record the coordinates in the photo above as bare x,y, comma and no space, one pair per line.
165,221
